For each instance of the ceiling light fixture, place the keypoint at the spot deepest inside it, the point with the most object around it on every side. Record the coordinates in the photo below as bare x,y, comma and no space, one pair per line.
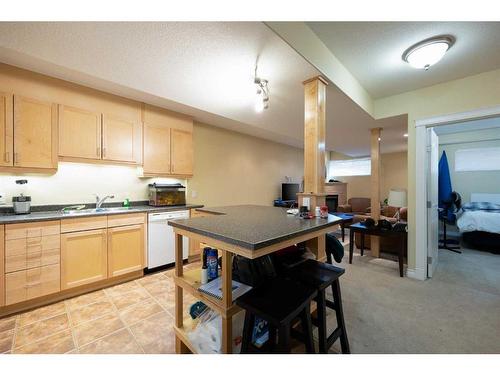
426,53
262,93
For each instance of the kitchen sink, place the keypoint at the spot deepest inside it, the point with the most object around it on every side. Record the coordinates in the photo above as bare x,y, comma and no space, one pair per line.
87,211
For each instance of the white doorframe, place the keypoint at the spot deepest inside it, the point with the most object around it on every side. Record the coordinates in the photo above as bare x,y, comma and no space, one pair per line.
420,271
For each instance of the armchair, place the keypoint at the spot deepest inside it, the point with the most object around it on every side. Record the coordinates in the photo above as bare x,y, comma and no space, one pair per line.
356,206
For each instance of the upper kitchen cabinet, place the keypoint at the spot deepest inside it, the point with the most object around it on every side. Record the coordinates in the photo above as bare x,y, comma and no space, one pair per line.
168,143
35,133
6,130
181,144
79,133
121,140
156,149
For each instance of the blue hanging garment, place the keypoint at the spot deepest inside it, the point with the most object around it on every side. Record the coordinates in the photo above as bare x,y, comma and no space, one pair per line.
444,183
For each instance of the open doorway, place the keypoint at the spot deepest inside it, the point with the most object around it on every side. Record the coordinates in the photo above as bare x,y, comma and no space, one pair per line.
463,196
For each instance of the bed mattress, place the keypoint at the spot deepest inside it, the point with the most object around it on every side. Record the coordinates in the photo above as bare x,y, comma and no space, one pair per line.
476,217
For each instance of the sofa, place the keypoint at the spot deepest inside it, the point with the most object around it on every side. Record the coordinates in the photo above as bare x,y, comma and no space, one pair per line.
356,206
387,244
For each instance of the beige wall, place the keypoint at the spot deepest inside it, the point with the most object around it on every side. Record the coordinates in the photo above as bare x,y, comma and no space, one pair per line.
394,172
78,182
393,175
461,95
467,182
231,168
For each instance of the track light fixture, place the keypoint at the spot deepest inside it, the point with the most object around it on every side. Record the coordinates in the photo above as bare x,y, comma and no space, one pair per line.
262,101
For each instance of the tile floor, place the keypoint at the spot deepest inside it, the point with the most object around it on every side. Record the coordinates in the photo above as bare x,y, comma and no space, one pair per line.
121,319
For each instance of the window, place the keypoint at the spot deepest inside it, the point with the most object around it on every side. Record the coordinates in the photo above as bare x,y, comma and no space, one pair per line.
477,159
351,167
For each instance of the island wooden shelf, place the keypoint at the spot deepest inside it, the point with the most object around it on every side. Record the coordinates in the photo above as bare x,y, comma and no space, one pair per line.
181,333
190,282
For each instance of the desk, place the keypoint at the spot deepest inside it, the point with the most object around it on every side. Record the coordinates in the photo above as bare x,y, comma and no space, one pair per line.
374,231
250,231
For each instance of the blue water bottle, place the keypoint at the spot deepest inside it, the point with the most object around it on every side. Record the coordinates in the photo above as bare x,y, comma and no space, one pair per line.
212,264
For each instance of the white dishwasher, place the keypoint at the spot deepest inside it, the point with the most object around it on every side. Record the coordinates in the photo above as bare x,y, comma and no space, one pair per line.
161,239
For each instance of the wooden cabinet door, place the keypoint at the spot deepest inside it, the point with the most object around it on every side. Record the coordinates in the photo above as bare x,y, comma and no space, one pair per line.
35,133
2,266
181,152
121,140
156,149
6,130
42,281
125,249
79,133
15,287
84,258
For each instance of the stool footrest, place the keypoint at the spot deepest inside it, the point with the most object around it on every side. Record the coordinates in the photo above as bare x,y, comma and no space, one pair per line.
333,337
331,304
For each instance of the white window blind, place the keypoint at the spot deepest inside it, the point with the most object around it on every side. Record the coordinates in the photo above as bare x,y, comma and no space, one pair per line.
477,159
351,167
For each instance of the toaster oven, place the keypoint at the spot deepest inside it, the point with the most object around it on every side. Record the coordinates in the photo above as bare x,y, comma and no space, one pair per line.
167,194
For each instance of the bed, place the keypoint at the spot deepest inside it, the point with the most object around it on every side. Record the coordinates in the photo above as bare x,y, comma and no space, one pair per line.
479,222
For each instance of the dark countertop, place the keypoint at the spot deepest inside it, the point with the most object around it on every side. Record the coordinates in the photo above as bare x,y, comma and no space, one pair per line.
55,213
252,227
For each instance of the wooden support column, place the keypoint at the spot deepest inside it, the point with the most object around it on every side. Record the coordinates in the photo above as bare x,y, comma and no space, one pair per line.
227,301
375,186
314,152
314,135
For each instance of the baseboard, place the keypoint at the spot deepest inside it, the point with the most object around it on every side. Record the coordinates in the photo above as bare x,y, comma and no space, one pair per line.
416,273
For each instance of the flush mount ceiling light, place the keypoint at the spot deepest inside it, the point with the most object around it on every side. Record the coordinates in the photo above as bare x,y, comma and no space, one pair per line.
262,101
428,52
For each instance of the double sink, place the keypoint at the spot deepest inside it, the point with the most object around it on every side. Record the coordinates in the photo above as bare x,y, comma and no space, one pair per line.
87,211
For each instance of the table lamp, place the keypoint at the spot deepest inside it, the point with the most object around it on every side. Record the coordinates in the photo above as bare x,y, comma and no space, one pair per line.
397,198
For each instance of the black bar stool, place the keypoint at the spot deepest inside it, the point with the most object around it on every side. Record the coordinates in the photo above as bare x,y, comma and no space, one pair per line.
281,302
320,276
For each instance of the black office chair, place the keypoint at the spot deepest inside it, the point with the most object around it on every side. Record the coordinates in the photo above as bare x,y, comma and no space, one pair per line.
448,215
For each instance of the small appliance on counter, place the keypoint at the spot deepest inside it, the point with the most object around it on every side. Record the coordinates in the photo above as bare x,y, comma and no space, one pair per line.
21,203
167,194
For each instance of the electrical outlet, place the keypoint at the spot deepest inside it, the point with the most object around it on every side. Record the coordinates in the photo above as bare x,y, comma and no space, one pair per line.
2,198
194,193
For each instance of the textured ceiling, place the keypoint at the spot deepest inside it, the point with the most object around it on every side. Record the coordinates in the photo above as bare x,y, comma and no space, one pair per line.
204,69
372,51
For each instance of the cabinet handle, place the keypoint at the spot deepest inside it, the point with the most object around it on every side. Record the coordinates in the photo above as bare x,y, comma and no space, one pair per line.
16,157
173,167
32,285
7,157
104,151
98,151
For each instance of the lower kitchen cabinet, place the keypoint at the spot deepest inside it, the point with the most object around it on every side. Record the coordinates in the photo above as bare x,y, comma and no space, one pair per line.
125,249
2,266
32,283
84,258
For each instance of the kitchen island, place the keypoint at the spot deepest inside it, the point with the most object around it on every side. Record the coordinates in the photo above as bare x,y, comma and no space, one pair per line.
248,230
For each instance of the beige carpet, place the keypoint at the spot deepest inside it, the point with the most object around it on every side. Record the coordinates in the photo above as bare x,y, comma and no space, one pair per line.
457,311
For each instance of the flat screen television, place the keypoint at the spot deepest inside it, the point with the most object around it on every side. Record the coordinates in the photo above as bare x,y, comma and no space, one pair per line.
289,191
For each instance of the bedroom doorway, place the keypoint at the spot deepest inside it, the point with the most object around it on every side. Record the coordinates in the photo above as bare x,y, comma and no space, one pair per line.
465,138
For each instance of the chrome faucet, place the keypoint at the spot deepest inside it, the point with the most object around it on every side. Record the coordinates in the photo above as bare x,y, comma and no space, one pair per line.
100,201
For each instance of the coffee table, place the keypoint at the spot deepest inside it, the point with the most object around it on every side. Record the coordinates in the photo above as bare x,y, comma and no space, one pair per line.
346,219
375,231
